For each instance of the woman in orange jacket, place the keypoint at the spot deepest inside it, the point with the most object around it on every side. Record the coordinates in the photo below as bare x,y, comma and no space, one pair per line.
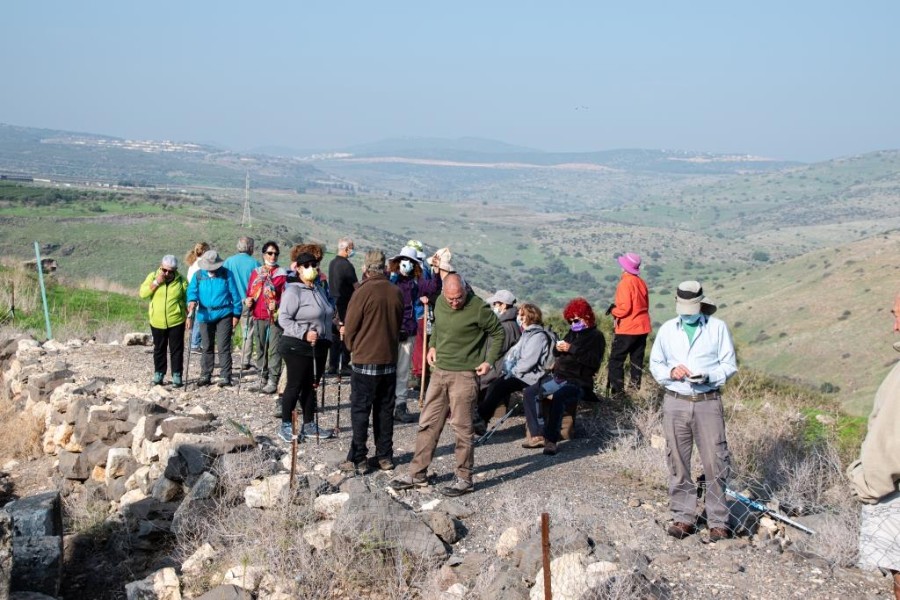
632,319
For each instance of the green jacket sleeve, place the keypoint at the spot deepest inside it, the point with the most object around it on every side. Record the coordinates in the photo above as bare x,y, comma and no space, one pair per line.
146,290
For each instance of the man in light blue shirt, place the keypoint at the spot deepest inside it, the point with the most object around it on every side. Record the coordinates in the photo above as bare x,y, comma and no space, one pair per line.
241,265
692,357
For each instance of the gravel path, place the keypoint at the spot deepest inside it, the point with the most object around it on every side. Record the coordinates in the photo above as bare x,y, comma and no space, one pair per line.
580,487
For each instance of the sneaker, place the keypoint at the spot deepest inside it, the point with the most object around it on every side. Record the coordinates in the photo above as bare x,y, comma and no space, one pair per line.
224,382
680,530
479,426
176,380
204,380
345,372
401,414
719,533
458,488
285,433
330,371
196,350
406,482
309,431
277,411
248,367
158,378
270,388
348,466
550,448
534,442
382,464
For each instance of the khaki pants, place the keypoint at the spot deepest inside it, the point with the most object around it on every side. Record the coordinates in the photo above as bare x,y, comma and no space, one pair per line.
452,392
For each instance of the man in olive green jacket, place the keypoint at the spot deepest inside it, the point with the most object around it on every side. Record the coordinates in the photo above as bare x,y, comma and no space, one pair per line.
463,323
167,291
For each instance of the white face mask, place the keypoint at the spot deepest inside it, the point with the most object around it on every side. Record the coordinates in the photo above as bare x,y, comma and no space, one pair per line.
498,309
351,252
406,267
309,274
271,263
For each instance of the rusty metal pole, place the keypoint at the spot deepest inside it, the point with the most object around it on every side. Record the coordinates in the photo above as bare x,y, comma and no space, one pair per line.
545,547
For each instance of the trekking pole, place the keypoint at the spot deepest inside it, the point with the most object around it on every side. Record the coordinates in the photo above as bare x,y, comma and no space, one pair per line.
759,506
487,435
424,357
187,365
247,331
337,423
293,446
315,386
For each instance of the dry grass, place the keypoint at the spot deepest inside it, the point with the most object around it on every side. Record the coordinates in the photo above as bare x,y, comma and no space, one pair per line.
21,438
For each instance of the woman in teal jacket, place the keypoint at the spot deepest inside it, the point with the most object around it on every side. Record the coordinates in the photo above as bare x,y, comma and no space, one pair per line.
215,296
167,291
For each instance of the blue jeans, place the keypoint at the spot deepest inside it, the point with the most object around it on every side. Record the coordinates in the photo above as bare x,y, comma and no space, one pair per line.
195,334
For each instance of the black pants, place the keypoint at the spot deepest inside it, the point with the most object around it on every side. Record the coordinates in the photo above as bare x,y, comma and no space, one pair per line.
337,350
372,394
171,339
215,336
622,346
298,361
498,393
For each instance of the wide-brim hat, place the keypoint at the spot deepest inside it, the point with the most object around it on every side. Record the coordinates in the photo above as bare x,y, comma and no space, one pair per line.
708,306
408,252
504,296
631,262
688,298
210,261
442,258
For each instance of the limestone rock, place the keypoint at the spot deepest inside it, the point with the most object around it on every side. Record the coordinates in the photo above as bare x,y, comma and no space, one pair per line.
161,585
443,525
328,505
268,492
244,576
568,578
508,541
226,592
199,560
318,535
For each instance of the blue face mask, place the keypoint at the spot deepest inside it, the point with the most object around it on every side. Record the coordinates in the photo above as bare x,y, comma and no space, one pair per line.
690,319
351,253
520,323
406,267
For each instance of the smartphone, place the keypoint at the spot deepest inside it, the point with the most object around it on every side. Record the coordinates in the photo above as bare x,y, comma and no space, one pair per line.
696,378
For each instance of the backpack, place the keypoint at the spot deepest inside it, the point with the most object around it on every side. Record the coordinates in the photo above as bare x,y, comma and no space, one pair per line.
549,360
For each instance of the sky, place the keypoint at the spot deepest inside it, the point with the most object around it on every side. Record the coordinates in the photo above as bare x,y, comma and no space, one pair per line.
798,80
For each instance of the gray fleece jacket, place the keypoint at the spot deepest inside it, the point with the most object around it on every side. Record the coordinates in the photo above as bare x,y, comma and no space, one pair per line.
304,309
525,360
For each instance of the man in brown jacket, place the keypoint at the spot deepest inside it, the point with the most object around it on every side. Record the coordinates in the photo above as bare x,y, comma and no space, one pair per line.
371,333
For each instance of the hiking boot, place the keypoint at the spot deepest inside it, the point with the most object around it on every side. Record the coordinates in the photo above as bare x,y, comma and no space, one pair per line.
382,464
224,382
479,427
248,367
406,482
204,380
533,443
719,533
330,371
345,372
285,433
401,414
550,448
458,488
358,468
196,350
310,429
270,388
158,378
176,380
680,530
277,412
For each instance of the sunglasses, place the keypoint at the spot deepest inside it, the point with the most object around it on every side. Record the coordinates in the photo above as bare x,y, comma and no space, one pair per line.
167,270
270,253
308,265
575,320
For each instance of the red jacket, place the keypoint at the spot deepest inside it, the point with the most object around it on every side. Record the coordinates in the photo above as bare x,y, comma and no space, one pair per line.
632,310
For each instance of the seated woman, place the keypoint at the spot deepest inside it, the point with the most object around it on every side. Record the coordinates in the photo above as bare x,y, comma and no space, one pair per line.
524,362
578,357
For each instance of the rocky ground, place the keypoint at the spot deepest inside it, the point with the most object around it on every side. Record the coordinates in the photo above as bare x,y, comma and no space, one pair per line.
580,487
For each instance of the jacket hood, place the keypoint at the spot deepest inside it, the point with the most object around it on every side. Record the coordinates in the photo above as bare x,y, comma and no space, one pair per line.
509,314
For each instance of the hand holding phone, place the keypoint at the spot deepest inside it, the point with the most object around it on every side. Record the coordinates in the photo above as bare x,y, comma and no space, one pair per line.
697,378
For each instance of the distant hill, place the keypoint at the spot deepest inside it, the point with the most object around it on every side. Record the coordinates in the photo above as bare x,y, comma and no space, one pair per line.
418,146
822,318
88,157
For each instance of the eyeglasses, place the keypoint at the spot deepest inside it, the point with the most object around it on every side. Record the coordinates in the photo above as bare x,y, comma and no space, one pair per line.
308,265
270,253
167,270
456,300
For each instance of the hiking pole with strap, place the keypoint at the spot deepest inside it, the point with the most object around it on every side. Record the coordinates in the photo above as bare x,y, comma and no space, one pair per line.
293,446
315,386
248,330
337,423
187,365
496,426
424,358
759,506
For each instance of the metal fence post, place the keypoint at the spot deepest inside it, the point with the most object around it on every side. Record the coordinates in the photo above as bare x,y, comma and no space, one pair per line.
545,547
40,270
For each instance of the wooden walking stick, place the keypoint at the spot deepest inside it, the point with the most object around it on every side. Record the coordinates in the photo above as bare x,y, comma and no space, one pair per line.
293,446
187,365
337,423
315,386
424,357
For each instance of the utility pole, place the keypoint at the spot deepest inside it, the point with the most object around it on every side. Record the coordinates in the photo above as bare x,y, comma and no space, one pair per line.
245,220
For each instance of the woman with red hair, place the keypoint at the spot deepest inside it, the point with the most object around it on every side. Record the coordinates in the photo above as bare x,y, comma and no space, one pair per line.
578,357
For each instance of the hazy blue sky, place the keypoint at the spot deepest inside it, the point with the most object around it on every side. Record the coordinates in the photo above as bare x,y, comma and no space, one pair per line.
796,80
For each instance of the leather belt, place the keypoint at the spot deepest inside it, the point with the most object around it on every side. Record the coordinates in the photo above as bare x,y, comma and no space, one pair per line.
696,397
